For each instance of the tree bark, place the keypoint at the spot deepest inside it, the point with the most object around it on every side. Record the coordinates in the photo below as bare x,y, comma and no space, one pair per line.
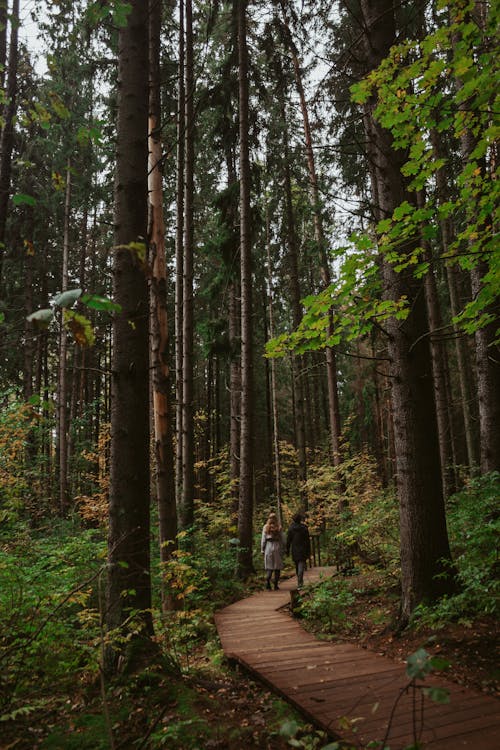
298,365
7,136
3,41
423,534
62,390
129,579
179,257
274,399
160,371
463,366
187,496
245,508
439,368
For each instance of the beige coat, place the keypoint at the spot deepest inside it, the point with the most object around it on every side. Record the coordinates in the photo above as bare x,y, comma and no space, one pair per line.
272,549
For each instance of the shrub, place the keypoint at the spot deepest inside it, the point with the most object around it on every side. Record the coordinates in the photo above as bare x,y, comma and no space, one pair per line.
327,602
474,530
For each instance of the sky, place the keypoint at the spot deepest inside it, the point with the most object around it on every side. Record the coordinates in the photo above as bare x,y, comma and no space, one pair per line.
28,31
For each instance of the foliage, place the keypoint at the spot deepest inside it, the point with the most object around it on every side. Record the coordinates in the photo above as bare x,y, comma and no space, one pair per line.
444,85
357,511
446,82
16,424
327,602
47,583
474,527
93,505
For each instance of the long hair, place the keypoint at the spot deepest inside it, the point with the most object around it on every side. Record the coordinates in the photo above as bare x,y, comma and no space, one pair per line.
272,527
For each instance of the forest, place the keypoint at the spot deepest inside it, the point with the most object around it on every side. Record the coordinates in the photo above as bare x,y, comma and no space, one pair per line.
248,263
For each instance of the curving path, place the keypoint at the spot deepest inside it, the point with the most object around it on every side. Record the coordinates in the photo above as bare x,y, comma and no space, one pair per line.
345,689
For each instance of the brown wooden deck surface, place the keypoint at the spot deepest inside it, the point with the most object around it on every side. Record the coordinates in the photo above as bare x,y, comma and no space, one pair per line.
343,688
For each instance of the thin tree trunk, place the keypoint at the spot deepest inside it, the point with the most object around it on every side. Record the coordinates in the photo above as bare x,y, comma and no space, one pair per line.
7,136
62,402
187,503
439,367
464,375
245,507
160,371
3,41
179,258
234,396
274,399
297,310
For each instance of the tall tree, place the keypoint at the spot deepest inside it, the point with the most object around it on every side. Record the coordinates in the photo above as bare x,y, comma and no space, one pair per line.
7,135
62,386
245,507
187,493
129,582
160,371
424,540
179,253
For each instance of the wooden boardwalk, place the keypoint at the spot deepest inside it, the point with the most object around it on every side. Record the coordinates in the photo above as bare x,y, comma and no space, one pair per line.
344,689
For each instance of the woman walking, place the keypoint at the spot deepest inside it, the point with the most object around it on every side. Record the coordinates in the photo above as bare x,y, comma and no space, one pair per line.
272,544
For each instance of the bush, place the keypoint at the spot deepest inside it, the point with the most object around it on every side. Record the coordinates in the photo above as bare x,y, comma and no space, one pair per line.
359,514
474,530
45,596
327,602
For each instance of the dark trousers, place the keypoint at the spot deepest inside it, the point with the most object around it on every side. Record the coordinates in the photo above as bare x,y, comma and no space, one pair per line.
300,566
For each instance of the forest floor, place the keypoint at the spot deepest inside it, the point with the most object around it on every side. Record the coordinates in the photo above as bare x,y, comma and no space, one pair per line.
470,646
216,707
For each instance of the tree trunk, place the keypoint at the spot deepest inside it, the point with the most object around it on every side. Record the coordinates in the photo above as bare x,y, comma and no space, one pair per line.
297,310
7,136
464,375
245,507
424,540
160,371
129,578
3,41
274,400
439,367
179,258
62,391
488,384
187,502
234,396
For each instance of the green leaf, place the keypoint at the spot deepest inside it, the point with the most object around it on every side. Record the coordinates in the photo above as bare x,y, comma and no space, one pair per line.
289,728
68,298
418,664
42,318
21,199
121,13
80,327
95,302
403,210
439,663
437,694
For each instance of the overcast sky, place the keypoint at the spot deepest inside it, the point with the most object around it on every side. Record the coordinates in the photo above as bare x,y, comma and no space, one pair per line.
28,32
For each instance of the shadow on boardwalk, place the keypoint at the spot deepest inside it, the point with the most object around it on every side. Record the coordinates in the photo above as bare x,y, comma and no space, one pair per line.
344,689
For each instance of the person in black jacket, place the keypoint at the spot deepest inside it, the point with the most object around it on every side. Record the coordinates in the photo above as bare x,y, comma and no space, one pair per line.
299,542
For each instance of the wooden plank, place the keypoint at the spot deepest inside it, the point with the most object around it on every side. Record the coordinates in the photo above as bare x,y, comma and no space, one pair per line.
327,681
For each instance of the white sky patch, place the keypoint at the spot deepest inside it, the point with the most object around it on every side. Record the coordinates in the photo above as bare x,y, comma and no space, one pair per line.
29,32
